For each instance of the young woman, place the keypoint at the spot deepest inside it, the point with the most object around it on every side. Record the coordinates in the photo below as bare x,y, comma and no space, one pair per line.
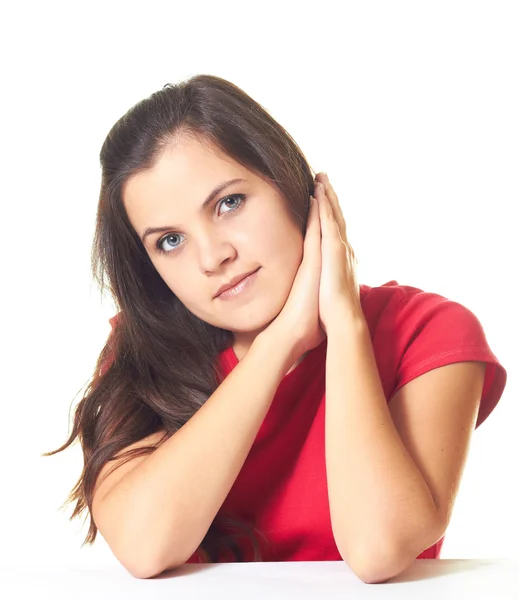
297,415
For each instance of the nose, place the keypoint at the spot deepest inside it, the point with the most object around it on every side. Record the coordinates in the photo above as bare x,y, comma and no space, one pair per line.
213,251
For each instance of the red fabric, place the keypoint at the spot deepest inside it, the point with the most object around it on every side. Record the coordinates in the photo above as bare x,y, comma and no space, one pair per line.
282,487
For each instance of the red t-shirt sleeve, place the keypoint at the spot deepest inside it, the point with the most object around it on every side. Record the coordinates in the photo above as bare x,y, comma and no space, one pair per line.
108,360
432,331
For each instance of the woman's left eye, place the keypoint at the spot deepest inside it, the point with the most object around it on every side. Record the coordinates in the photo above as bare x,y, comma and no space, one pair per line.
240,197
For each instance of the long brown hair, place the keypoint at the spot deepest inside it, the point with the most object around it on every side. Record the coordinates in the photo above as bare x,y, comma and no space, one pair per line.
163,359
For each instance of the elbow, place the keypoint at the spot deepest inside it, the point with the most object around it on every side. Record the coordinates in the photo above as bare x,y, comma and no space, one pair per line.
368,573
142,561
143,572
148,570
379,565
386,556
141,567
142,557
146,566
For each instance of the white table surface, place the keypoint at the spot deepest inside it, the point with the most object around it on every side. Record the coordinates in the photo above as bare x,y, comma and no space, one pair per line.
440,579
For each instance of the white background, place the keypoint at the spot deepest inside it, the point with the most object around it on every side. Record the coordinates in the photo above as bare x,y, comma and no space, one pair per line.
411,108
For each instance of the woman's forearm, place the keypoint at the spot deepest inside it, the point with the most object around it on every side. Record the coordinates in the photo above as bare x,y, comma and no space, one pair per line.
379,500
158,514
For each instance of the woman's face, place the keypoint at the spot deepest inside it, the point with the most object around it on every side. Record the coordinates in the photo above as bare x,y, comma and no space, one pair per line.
206,247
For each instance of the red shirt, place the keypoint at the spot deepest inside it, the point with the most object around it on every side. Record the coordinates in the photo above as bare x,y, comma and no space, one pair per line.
282,485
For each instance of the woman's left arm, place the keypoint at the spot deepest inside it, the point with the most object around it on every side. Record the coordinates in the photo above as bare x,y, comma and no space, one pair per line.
393,472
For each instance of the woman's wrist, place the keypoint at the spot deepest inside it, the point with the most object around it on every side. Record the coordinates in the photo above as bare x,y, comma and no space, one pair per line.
276,342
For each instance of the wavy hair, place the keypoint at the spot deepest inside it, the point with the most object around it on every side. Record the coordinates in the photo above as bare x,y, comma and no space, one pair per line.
160,362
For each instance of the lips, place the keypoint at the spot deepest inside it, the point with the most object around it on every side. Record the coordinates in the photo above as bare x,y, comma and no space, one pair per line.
234,281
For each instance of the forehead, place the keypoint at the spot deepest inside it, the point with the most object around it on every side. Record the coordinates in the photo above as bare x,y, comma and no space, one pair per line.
185,174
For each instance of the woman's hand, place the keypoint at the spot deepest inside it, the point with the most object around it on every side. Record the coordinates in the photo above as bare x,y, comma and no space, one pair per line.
297,325
339,291
325,286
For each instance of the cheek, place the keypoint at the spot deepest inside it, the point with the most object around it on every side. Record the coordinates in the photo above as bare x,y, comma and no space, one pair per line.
283,247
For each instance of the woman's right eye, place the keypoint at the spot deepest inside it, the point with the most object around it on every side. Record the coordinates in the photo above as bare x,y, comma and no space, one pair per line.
161,244
162,240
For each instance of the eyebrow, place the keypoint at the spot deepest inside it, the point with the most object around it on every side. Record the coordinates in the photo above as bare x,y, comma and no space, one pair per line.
207,201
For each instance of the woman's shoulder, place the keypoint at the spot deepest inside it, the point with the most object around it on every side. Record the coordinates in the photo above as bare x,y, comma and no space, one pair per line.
392,298
115,319
379,300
